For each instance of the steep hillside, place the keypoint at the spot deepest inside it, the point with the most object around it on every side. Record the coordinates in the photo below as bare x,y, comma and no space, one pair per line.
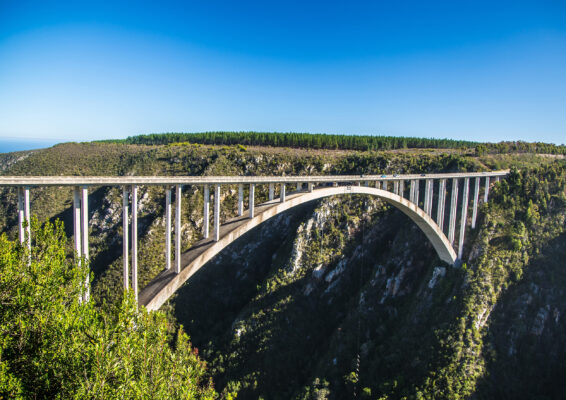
342,297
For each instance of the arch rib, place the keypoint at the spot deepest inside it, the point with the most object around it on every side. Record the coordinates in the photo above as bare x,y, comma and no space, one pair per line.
161,288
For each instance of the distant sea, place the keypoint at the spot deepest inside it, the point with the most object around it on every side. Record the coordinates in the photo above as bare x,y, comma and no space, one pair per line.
8,145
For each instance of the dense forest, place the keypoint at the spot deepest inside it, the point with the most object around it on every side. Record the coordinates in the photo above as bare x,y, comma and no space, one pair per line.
340,298
344,142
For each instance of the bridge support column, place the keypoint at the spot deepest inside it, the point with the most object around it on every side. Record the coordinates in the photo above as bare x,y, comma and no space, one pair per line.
310,187
23,214
84,231
299,186
125,237
402,188
216,213
377,184
77,221
178,198
396,188
271,191
486,190
167,228
135,241
252,196
453,206
282,193
383,185
206,211
428,197
240,200
464,217
417,184
441,204
413,192
476,199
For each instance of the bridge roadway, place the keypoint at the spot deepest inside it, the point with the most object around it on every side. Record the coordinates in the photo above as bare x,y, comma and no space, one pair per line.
33,181
185,265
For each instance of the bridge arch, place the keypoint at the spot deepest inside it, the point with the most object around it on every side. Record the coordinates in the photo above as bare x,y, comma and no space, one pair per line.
161,288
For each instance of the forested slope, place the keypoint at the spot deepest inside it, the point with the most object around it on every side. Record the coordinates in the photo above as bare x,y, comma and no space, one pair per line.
343,297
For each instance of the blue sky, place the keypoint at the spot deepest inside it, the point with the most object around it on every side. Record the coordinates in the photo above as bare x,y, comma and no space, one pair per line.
475,70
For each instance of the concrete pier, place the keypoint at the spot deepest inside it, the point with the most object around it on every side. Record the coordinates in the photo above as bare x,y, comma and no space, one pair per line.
476,199
251,201
282,193
402,188
396,188
441,204
486,190
168,220
178,198
453,209
240,200
271,191
464,217
217,213
206,212
135,240
125,237
76,222
428,197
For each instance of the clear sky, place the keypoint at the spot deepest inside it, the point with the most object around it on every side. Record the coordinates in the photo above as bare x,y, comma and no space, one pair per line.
476,70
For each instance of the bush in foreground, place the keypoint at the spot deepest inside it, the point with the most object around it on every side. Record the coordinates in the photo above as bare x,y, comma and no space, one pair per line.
54,346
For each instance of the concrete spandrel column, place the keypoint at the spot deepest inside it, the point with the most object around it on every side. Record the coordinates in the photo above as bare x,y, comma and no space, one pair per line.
402,189
440,210
240,200
21,217
453,206
135,241
178,198
427,196
383,185
377,184
206,211
476,199
77,221
27,218
84,234
216,213
299,186
84,222
125,238
168,229
310,186
486,189
413,192
271,191
417,184
396,187
282,193
464,217
252,199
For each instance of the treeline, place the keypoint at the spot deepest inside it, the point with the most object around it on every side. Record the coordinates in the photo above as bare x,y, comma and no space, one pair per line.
340,142
300,140
519,147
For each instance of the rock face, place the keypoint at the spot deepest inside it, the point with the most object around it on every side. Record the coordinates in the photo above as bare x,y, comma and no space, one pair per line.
323,280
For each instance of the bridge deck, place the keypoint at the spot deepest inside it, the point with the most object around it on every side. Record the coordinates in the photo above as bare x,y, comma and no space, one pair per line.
189,257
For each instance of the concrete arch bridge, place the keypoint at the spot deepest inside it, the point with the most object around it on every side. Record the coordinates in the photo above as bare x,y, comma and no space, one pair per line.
414,195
